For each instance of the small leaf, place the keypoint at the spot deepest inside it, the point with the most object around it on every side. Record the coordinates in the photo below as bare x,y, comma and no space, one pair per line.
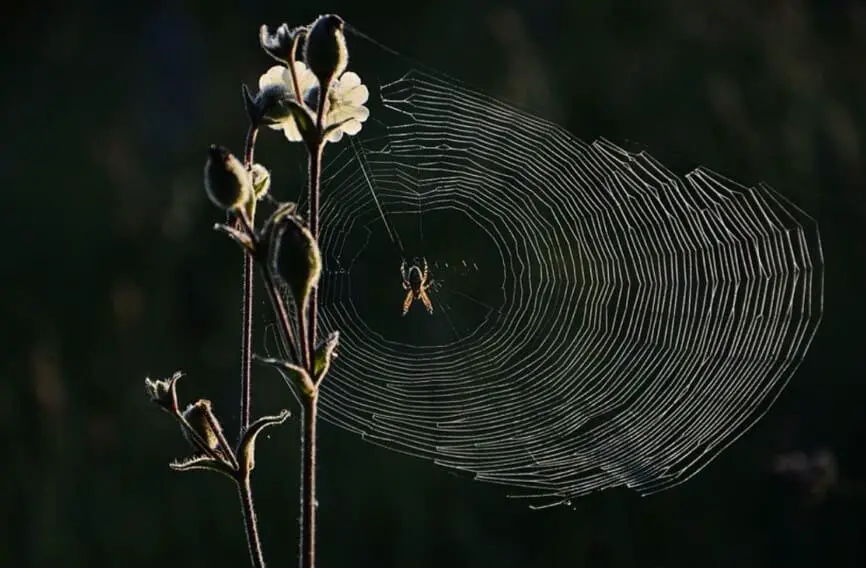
203,463
325,353
294,375
240,237
247,448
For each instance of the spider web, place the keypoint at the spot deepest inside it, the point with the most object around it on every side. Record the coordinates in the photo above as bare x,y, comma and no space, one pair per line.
598,320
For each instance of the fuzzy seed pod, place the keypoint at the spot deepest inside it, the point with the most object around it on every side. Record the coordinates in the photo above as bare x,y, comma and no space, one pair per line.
226,180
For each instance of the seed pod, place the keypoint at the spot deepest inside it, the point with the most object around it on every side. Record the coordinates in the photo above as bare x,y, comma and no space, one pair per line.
295,257
226,180
201,419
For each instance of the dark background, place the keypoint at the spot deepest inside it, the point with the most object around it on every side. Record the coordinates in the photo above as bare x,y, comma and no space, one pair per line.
112,273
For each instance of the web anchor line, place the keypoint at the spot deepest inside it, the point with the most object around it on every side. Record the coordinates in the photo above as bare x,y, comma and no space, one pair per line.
364,167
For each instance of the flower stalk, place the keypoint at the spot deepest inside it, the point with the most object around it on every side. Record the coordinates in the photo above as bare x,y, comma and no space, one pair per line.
314,101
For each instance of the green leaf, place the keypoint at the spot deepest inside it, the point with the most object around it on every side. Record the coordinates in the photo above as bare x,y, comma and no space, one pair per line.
247,448
240,237
294,375
203,463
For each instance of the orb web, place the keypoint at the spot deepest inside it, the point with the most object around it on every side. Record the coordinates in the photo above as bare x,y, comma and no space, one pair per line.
598,320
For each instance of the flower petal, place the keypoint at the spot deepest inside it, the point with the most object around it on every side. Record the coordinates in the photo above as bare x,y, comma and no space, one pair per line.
356,96
349,80
272,76
306,79
352,127
336,135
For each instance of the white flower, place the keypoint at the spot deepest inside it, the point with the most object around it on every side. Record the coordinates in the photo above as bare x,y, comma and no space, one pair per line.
344,107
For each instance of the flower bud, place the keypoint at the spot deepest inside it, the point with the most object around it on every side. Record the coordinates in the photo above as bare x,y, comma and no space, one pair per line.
201,419
226,181
295,258
325,50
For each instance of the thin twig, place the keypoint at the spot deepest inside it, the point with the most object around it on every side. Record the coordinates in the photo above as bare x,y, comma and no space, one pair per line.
255,546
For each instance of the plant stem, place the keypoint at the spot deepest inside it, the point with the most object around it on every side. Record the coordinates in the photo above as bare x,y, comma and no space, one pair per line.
308,482
315,175
246,344
311,399
255,546
247,305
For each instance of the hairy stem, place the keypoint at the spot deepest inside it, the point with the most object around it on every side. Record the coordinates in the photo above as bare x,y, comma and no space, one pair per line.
246,494
247,304
311,399
308,482
315,173
246,344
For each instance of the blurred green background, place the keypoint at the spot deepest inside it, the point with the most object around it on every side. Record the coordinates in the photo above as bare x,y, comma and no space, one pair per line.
112,273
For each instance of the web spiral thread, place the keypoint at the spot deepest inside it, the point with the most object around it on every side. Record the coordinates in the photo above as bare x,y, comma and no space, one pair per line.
598,321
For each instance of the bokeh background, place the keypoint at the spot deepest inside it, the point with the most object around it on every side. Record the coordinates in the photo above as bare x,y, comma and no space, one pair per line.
111,273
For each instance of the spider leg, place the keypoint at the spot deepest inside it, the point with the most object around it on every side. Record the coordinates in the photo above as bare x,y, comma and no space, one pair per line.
425,299
403,270
426,271
407,302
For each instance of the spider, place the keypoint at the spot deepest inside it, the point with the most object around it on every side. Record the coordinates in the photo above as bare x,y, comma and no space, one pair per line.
416,282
